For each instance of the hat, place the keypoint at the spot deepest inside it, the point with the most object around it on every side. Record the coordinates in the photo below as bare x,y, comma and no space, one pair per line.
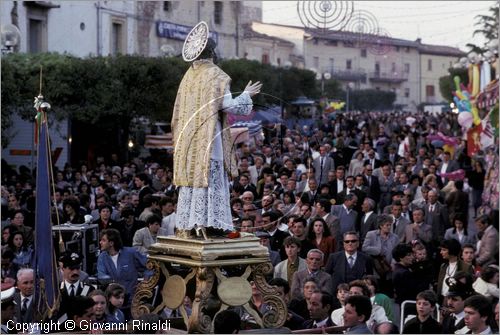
457,288
8,295
195,42
70,259
262,234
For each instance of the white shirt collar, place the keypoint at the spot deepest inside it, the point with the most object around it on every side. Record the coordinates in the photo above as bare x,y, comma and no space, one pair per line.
320,323
354,256
68,285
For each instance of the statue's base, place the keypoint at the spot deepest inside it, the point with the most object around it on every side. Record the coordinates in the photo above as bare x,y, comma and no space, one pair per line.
209,260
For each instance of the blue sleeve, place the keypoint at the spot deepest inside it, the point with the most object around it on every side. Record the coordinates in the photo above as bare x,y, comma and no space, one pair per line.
101,268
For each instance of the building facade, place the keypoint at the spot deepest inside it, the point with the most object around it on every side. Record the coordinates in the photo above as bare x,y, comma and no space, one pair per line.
411,69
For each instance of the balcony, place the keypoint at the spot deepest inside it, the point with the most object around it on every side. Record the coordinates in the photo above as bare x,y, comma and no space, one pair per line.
348,75
388,77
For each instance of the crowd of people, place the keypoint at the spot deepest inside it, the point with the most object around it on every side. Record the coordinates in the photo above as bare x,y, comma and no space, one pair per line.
362,215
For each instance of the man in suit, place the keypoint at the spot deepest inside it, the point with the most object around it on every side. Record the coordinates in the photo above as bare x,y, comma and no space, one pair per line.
118,263
418,230
270,221
322,165
323,280
244,181
349,189
400,222
347,217
372,183
488,249
393,155
141,181
71,285
447,165
337,185
375,163
24,296
436,215
368,220
319,306
349,264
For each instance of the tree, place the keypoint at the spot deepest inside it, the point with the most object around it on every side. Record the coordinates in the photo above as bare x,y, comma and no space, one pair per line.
447,85
488,27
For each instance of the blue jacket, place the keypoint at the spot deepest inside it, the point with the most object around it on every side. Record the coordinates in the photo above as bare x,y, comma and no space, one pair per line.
130,263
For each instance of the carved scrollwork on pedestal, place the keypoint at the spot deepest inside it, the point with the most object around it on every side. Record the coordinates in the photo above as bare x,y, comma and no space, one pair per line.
276,315
199,321
145,290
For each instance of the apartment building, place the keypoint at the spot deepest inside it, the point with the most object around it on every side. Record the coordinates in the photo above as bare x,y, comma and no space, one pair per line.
154,28
411,69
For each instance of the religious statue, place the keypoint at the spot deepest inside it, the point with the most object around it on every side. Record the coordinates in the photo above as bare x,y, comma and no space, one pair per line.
202,138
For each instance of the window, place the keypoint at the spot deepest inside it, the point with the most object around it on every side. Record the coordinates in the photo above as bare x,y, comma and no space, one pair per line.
393,67
377,88
397,48
332,63
407,92
377,68
316,63
407,67
429,91
167,6
363,53
429,65
348,64
278,61
349,44
217,12
407,49
265,59
36,35
118,39
36,20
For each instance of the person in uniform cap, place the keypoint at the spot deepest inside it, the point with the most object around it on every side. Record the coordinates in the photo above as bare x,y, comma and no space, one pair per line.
8,308
71,285
454,299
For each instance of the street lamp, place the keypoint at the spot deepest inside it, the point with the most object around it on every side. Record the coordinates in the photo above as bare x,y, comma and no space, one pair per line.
323,76
350,86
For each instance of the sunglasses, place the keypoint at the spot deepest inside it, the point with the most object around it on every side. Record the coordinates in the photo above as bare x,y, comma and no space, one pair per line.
350,241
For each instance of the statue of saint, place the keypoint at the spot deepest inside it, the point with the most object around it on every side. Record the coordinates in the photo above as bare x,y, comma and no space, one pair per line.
203,147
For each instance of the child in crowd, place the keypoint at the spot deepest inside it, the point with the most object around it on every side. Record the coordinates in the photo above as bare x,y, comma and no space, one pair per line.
115,295
424,323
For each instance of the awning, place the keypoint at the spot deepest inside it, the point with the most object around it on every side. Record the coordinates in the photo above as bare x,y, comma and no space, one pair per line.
163,141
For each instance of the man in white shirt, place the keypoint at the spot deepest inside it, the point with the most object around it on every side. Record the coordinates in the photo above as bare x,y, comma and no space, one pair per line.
477,311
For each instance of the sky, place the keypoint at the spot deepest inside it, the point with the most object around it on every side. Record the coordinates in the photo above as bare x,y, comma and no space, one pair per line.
448,23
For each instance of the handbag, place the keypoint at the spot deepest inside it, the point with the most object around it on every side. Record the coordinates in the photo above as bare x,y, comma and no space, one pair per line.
381,265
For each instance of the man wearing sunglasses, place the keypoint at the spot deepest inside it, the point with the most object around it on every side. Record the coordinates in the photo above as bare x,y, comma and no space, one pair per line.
349,264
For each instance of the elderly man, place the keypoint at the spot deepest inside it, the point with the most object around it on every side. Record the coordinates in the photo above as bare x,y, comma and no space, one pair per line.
313,261
24,296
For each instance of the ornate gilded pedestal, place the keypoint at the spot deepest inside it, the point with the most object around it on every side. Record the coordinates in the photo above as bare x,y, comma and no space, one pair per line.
208,261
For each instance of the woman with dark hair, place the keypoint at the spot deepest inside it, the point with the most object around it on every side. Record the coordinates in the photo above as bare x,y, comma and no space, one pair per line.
288,201
22,253
83,188
459,231
6,232
476,182
320,236
71,207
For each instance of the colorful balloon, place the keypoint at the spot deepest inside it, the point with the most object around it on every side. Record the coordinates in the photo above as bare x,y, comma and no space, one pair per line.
476,81
475,116
465,119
